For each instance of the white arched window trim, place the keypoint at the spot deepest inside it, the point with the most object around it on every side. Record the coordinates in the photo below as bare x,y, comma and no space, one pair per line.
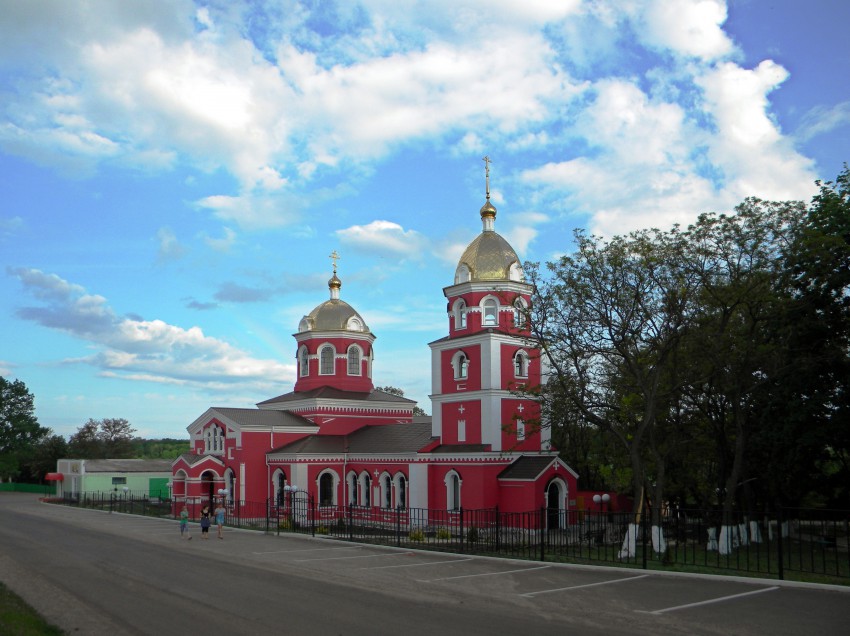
386,490
521,364
454,485
364,489
327,359
303,362
400,487
328,472
460,365
355,355
489,311
351,486
459,313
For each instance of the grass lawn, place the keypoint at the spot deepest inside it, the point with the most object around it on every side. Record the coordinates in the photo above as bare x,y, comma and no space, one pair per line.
19,619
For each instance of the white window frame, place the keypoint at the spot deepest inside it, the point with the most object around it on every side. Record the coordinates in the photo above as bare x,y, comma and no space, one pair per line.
460,365
461,430
328,472
303,362
520,364
354,350
454,491
520,430
459,311
322,350
490,303
400,488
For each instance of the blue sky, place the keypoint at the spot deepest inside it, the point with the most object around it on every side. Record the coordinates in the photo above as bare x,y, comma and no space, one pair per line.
174,175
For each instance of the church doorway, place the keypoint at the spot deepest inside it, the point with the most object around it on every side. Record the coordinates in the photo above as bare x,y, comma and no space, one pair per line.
556,492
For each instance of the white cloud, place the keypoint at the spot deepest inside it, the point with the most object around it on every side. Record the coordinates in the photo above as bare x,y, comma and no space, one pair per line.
384,236
223,244
686,27
134,348
748,145
821,120
170,248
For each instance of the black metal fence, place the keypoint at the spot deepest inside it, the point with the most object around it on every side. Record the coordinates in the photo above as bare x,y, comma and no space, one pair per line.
797,542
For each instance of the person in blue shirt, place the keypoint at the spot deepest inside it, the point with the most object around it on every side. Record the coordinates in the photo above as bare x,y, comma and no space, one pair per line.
219,519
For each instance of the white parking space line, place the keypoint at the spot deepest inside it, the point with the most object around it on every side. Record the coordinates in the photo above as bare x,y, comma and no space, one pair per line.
578,587
353,547
709,601
469,576
413,565
361,556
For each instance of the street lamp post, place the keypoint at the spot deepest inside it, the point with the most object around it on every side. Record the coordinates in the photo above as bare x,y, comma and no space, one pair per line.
601,502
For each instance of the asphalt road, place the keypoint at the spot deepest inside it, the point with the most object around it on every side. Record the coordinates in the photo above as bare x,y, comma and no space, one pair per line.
93,572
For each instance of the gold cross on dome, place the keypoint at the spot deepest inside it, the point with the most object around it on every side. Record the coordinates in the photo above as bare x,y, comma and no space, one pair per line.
334,257
487,161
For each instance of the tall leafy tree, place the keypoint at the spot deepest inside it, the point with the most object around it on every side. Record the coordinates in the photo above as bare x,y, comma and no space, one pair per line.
19,428
609,320
100,439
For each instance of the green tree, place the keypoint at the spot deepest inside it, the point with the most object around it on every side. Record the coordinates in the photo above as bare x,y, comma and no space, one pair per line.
46,453
100,439
19,428
609,320
399,392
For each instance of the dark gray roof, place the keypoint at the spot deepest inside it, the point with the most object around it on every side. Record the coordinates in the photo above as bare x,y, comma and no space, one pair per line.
387,439
263,417
330,393
461,448
128,465
527,467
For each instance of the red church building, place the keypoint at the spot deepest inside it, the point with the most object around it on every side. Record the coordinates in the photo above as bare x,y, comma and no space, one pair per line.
341,441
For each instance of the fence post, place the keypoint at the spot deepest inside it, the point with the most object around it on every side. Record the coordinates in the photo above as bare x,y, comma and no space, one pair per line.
350,521
461,528
643,537
779,547
398,526
497,528
541,522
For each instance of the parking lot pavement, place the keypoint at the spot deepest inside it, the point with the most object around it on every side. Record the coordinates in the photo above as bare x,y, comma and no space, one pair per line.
629,600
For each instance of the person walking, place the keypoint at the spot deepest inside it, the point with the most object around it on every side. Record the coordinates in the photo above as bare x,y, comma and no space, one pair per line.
205,522
219,518
184,523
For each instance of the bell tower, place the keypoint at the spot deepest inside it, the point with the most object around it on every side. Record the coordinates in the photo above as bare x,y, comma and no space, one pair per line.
477,369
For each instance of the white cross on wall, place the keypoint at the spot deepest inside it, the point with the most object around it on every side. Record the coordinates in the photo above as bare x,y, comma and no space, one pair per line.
461,409
520,408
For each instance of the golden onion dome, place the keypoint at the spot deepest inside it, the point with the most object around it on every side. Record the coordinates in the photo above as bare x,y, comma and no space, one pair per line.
488,258
333,314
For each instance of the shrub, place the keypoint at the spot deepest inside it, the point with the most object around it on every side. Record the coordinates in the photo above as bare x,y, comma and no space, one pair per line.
416,535
443,534
472,535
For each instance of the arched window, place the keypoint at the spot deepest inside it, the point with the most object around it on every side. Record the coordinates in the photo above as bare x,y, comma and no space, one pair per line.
460,314
460,364
326,360
519,314
453,486
303,362
400,491
491,313
386,491
279,487
521,364
354,360
326,489
352,489
365,483
354,324
230,486
462,273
